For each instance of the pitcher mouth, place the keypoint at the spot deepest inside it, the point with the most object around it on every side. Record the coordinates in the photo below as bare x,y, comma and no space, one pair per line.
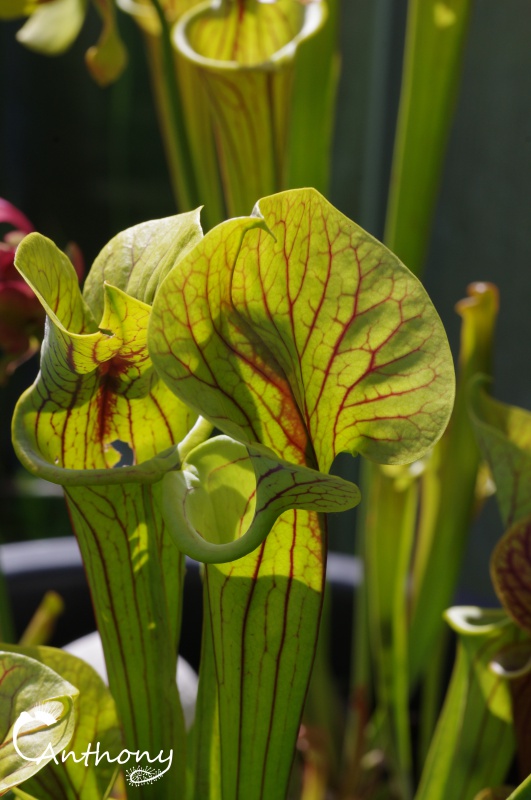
313,16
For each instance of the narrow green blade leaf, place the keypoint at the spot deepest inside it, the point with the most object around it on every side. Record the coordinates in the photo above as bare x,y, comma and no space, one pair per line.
96,722
522,792
435,38
204,752
315,83
448,484
38,716
391,504
225,500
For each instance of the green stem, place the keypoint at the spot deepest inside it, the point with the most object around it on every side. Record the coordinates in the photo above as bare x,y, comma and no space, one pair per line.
42,625
389,533
432,690
184,182
360,679
199,434
400,621
435,39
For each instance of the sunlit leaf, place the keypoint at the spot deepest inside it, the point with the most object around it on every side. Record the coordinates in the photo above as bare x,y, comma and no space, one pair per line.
138,259
227,497
100,422
309,326
38,715
95,722
298,331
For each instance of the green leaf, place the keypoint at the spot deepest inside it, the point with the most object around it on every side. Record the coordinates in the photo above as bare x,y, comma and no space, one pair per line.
136,575
301,332
448,484
204,751
473,744
435,40
95,722
38,716
244,54
138,259
391,507
97,390
522,792
224,501
504,435
99,421
53,26
484,633
315,83
311,325
264,614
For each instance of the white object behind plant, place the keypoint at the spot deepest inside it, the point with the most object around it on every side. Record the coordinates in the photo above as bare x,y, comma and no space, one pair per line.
89,649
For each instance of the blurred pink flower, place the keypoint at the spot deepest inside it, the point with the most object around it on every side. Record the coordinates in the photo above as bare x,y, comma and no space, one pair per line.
21,314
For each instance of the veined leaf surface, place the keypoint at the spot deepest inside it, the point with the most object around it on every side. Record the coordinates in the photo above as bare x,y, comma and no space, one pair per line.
244,55
296,323
100,422
48,703
224,501
95,722
295,329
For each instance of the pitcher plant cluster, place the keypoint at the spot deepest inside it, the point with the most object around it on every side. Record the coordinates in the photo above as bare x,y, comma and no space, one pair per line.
298,336
191,401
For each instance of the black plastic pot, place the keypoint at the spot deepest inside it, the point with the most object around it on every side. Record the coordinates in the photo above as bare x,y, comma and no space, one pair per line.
32,568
